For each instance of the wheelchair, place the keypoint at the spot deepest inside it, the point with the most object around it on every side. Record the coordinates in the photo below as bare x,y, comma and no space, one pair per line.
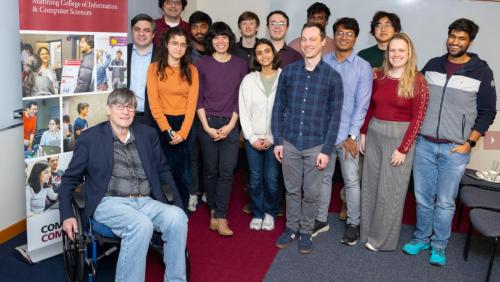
82,254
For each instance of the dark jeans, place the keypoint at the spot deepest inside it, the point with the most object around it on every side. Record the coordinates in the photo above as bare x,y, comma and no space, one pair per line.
178,158
263,175
196,164
219,160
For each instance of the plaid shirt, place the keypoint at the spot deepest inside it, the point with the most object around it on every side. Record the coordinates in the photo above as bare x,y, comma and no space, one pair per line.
128,176
308,106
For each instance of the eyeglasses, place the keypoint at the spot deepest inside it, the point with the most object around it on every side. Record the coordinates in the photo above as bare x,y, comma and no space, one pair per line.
278,24
174,3
341,34
121,107
383,26
178,44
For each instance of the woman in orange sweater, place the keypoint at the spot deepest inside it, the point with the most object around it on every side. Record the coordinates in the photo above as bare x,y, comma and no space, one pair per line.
172,85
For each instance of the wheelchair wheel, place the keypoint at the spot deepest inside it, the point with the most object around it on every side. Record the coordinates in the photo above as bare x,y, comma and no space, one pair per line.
73,253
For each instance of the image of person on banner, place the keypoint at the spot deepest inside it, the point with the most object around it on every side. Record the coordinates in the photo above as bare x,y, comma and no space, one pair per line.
40,195
51,138
29,122
85,82
103,60
117,69
47,70
55,171
81,122
82,112
34,82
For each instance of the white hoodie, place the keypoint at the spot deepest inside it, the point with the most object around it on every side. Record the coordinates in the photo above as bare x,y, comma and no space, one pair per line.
256,108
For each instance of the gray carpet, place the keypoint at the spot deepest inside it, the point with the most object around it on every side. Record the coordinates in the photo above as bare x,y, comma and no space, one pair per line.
333,261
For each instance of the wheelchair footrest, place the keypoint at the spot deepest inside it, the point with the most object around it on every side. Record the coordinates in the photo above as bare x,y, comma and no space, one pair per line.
107,253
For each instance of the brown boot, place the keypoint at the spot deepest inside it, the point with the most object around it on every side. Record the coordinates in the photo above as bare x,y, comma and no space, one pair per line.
343,212
213,221
223,228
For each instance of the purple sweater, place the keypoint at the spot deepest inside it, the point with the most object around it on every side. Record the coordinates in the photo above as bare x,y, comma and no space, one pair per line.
219,85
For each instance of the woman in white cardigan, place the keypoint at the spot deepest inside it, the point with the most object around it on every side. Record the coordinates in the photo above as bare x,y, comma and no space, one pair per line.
256,100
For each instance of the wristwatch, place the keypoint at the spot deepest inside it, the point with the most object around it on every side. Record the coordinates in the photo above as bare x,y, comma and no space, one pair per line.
353,137
471,143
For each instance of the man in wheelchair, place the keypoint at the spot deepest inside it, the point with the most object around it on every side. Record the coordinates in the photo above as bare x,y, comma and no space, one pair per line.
122,168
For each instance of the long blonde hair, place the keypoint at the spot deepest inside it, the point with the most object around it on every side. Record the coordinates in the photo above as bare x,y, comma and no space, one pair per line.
407,80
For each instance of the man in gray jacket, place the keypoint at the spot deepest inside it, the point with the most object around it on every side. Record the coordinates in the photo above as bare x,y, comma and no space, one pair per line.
84,83
461,108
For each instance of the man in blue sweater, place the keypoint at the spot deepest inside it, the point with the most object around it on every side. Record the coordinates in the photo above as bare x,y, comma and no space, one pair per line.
460,110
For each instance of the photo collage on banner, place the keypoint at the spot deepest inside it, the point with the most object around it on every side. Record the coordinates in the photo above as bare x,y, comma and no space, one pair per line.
73,54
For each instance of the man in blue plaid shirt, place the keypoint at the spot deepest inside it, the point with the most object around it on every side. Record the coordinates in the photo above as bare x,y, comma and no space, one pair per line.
305,122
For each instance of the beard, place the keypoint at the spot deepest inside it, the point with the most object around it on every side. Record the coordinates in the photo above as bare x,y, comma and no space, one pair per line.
459,53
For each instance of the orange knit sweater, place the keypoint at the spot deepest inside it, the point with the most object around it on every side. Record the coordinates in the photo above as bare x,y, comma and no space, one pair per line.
172,96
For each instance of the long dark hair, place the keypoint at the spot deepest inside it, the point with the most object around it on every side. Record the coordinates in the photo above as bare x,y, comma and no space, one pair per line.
163,55
255,65
34,179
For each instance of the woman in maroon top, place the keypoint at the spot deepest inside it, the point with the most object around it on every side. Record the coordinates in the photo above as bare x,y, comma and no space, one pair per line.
396,112
219,135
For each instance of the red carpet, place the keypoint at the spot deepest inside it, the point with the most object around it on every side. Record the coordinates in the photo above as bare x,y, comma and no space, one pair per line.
248,254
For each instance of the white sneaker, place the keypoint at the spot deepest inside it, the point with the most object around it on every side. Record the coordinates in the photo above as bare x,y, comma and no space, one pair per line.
268,223
193,201
256,224
204,198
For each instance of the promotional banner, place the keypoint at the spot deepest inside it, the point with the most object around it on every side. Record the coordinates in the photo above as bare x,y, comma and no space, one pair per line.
73,54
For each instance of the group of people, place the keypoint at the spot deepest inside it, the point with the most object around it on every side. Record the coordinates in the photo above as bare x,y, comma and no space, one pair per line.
298,112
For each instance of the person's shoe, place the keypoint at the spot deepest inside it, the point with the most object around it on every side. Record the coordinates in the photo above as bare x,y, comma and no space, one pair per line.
343,212
351,235
256,223
222,227
438,257
213,221
268,223
414,247
193,202
305,243
320,226
247,208
204,198
370,247
286,238
281,210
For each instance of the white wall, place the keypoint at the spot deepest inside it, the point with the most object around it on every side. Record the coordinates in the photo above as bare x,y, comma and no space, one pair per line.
12,201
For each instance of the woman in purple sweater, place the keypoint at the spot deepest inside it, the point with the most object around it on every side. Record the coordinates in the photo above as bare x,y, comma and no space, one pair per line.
220,76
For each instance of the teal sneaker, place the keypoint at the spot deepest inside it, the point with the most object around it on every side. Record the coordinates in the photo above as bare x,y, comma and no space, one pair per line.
414,247
437,257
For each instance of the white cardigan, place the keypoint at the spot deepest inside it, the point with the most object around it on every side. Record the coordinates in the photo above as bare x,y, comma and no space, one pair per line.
256,108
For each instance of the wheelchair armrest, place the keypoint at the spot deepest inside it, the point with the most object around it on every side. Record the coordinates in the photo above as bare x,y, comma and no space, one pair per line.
78,197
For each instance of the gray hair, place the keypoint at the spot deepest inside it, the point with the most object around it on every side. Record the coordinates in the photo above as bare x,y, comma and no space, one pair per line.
122,96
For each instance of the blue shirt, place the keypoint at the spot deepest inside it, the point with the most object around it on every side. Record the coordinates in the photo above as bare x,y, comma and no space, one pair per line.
357,80
308,105
100,74
138,74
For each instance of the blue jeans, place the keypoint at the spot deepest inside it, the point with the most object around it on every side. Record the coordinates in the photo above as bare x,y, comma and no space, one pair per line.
436,174
133,220
350,174
263,173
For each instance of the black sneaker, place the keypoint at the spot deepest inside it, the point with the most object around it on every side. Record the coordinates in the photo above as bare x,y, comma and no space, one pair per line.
320,226
351,235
